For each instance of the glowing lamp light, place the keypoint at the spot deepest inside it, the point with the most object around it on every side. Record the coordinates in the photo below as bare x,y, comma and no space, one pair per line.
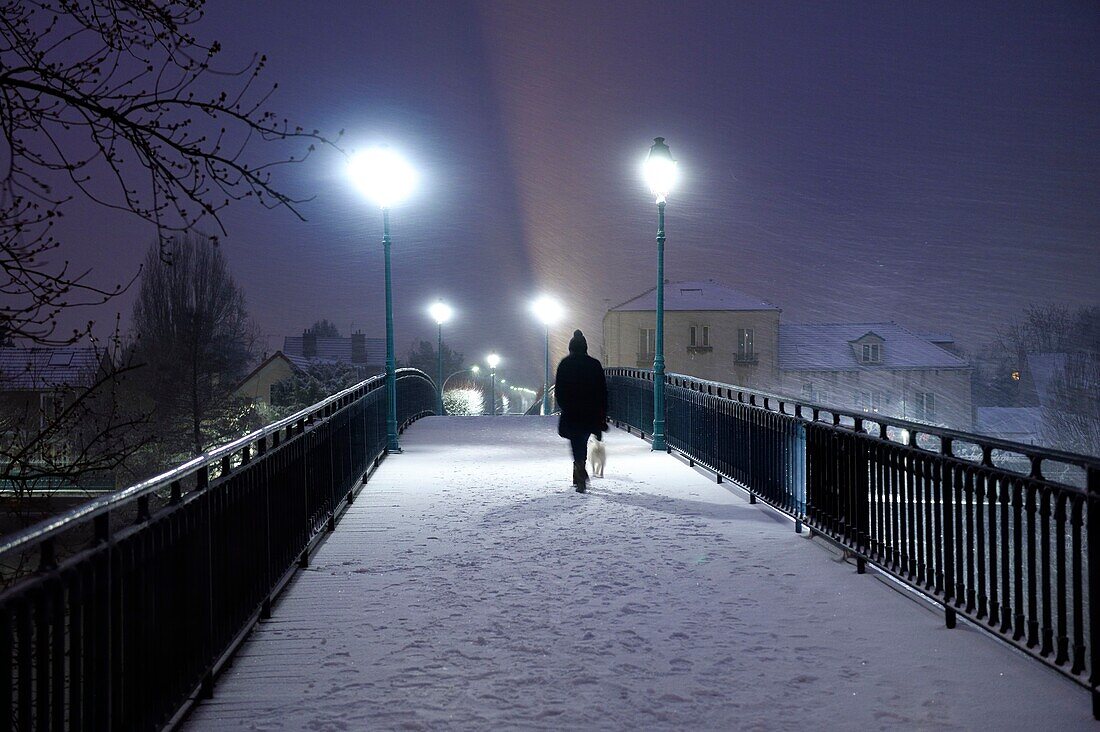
547,310
493,360
475,369
441,312
660,170
382,176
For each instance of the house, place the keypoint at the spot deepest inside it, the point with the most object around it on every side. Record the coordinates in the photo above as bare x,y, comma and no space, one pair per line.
37,383
711,331
880,368
300,353
715,332
366,354
273,369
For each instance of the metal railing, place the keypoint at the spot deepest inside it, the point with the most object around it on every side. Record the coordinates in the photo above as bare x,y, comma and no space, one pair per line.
997,531
536,407
137,598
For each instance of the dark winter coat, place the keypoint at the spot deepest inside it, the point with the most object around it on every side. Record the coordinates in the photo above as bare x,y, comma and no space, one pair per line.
581,391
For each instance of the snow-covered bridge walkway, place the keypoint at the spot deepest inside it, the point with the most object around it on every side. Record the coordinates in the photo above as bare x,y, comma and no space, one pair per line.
469,587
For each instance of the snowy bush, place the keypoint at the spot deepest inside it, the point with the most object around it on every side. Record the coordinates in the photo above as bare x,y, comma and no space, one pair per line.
464,402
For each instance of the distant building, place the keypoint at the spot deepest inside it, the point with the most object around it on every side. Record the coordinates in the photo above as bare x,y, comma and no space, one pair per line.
875,367
717,333
36,384
367,354
1019,424
711,331
275,368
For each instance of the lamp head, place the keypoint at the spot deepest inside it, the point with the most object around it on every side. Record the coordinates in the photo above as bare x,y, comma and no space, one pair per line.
475,369
441,312
547,310
493,360
382,175
660,169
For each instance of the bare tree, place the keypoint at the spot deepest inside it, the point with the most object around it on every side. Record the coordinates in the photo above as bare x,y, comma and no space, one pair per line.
1071,418
115,101
194,341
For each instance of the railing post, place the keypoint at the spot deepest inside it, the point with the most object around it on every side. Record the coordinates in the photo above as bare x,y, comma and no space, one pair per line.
1093,533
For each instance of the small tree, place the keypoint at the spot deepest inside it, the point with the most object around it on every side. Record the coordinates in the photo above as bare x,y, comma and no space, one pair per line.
324,329
310,386
423,357
194,340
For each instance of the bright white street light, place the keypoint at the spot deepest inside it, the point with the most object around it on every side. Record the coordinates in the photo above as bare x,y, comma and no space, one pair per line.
493,360
547,310
660,170
475,369
382,175
441,312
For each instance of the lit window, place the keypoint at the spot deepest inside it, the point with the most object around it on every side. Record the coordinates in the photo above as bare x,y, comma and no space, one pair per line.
745,350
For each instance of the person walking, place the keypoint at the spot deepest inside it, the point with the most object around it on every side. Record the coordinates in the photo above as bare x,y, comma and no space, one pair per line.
581,391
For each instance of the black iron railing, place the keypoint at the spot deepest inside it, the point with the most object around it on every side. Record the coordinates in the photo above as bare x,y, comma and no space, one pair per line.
1000,532
137,598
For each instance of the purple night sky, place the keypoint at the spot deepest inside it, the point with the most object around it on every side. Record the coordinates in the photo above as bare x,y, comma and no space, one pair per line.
933,163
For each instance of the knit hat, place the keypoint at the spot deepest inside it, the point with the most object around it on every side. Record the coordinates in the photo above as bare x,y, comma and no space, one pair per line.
577,344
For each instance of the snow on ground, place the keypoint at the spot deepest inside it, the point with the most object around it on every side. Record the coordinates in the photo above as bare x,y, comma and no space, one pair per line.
470,587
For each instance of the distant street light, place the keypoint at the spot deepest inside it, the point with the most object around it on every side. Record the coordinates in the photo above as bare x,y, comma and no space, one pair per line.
385,178
473,369
548,311
441,313
493,360
660,174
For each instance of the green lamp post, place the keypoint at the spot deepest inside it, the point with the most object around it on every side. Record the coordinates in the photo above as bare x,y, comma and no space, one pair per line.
660,173
441,313
385,178
493,360
548,311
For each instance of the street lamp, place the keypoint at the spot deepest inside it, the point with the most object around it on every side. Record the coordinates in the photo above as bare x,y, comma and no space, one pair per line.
441,313
548,311
660,174
493,360
472,369
385,178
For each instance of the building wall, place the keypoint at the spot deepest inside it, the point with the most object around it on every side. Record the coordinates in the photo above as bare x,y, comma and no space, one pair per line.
258,386
898,390
621,347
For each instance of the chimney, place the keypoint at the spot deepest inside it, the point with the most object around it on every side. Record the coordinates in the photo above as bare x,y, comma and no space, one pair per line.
358,347
309,344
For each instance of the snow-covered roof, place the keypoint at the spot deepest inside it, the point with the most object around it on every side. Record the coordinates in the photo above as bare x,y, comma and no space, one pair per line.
40,369
1021,424
333,349
700,295
828,347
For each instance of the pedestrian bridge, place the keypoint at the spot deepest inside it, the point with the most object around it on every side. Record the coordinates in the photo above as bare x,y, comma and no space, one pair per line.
783,566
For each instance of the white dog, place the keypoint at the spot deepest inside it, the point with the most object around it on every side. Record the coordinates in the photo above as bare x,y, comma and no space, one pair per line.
597,455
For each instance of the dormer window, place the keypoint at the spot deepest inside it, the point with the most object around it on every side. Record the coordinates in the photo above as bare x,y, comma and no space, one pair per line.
868,349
